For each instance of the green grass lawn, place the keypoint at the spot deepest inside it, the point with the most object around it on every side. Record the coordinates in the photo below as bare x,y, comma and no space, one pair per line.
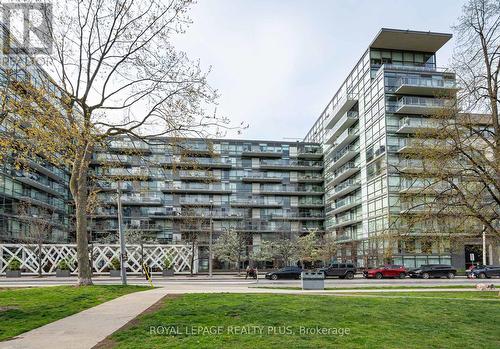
373,322
375,287
24,309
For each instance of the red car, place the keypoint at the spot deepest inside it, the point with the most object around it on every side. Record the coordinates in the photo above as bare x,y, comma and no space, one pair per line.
386,271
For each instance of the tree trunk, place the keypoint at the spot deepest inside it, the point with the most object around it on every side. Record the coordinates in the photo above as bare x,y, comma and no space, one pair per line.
192,257
78,187
239,265
142,258
39,256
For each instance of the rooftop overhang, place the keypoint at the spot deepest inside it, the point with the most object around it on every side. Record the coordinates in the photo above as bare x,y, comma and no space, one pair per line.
397,39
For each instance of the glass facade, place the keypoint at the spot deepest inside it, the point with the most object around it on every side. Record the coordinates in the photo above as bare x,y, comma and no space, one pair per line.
338,181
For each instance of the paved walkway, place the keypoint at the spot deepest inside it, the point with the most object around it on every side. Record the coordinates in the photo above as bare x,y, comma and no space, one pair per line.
87,328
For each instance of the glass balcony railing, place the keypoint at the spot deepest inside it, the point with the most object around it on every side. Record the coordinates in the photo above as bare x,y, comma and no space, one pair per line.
346,184
350,148
419,105
346,168
290,163
347,201
417,123
414,68
427,82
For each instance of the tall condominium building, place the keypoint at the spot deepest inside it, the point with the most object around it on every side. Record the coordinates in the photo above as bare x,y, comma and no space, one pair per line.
35,203
366,131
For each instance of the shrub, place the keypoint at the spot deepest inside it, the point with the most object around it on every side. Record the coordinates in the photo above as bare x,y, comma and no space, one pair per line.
115,264
14,265
167,263
63,265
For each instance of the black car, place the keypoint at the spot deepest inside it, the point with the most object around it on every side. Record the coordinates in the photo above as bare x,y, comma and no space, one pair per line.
340,270
285,273
484,271
433,271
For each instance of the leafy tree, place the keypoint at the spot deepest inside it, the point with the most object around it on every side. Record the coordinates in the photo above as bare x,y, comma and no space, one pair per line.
231,246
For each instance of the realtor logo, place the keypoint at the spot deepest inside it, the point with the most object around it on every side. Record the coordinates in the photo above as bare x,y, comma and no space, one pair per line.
27,28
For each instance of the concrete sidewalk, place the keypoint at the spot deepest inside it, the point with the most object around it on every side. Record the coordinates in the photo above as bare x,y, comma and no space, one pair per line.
87,328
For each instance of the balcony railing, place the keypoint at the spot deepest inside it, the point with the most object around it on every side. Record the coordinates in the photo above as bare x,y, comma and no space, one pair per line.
414,68
290,163
412,124
347,120
420,105
343,105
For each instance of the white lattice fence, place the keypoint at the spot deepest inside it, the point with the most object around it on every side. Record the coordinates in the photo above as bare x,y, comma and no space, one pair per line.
154,256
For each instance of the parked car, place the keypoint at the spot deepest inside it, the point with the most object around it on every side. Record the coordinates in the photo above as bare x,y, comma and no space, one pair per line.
285,273
483,271
386,271
340,270
433,271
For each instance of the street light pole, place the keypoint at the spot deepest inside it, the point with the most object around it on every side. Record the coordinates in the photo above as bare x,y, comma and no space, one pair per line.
123,269
210,240
484,246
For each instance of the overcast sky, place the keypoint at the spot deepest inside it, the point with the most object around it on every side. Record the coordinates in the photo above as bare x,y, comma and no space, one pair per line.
276,63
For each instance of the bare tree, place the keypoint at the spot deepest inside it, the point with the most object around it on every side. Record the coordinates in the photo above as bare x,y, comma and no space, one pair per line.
452,184
138,236
38,225
116,73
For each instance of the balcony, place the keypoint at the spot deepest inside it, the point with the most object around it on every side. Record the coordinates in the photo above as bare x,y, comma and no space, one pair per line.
133,200
215,214
309,153
200,163
194,150
345,204
346,220
310,204
425,86
129,147
346,137
343,173
291,165
115,159
255,202
206,176
48,170
410,166
113,186
32,181
127,173
345,103
421,105
346,121
198,203
292,191
306,217
344,188
412,125
261,153
41,201
310,179
261,178
343,156
212,189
